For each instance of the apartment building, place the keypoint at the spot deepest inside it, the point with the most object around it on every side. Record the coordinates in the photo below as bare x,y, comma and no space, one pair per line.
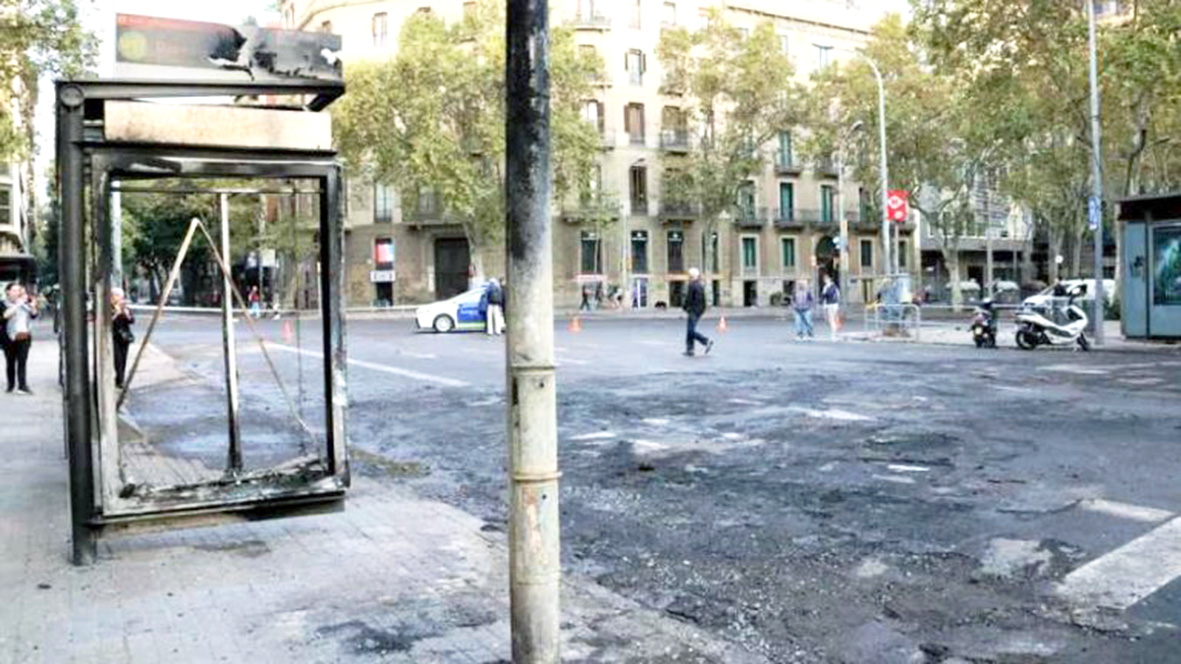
17,227
784,226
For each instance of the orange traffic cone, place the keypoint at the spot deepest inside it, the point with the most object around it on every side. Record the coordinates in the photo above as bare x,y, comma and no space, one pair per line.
575,325
722,324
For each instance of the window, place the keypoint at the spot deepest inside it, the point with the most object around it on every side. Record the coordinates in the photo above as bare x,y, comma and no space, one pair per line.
380,25
750,252
592,113
783,44
676,251
587,53
594,185
636,64
668,18
638,186
746,200
633,123
787,201
787,250
714,258
591,258
744,33
383,253
823,56
902,254
827,209
866,254
783,156
428,201
5,204
640,252
634,21
1166,263
383,203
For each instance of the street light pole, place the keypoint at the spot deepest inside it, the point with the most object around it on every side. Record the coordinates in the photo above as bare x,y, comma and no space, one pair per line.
886,253
842,218
1095,205
531,396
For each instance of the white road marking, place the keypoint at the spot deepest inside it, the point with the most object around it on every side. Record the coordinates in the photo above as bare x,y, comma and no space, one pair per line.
745,402
596,435
897,479
731,435
418,356
834,414
568,360
651,445
655,421
405,373
903,468
1126,511
1127,575
1076,369
1012,388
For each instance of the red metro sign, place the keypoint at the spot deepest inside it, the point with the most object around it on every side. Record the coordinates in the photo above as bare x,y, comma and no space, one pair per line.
896,205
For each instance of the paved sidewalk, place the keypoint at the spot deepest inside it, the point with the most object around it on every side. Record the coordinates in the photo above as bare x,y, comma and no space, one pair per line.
391,579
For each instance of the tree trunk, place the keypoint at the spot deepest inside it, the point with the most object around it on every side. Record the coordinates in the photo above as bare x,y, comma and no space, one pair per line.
1076,251
951,258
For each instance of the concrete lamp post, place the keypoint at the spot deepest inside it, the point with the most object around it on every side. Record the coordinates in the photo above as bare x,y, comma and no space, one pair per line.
842,218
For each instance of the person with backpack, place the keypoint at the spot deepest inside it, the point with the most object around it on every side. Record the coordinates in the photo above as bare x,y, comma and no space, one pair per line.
830,299
494,317
695,307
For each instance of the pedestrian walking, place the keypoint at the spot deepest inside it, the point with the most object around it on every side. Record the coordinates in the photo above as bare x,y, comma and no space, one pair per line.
19,311
586,293
255,300
801,303
830,298
694,308
121,321
494,320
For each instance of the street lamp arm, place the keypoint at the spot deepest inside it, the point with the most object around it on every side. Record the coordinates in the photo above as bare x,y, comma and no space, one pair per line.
888,265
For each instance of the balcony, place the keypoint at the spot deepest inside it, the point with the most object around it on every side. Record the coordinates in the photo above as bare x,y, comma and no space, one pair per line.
636,139
428,216
821,218
825,168
591,21
788,218
785,164
679,211
675,140
602,207
750,217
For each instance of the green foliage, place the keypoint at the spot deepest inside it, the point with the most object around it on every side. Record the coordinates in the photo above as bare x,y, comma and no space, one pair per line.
433,117
738,93
36,37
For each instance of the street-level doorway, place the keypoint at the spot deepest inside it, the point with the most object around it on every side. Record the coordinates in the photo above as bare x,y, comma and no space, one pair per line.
750,293
827,262
676,294
452,259
639,292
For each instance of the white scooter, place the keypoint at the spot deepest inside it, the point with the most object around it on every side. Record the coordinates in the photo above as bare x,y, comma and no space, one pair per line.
1053,326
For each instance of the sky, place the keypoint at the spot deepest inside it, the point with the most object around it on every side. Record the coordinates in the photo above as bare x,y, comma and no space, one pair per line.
99,17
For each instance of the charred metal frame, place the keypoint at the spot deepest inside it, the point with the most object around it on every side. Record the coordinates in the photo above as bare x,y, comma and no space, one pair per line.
86,163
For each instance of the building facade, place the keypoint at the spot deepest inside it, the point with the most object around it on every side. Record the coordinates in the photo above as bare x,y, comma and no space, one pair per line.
17,224
785,226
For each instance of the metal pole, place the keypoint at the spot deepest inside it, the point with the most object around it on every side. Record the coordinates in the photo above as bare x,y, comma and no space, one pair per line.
73,262
843,220
116,220
1096,177
887,264
229,348
988,266
534,547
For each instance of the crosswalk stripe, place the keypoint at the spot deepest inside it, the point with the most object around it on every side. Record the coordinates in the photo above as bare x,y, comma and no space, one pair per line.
1125,576
405,373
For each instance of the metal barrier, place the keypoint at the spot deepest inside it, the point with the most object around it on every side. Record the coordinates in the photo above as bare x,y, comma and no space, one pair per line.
894,320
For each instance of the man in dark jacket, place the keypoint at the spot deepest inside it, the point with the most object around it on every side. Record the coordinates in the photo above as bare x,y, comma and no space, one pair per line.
695,307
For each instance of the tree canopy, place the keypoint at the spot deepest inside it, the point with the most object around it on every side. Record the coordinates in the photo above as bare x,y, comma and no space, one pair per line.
431,119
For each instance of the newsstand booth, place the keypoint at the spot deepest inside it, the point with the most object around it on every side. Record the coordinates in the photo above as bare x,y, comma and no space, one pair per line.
1150,303
174,443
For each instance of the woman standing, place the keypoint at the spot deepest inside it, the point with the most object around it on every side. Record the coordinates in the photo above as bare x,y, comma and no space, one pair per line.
19,311
121,321
830,297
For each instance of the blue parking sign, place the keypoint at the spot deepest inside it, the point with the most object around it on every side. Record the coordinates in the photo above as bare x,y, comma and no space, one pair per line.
1094,213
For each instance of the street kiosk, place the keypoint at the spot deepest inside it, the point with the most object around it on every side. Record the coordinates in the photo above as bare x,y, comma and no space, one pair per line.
1150,301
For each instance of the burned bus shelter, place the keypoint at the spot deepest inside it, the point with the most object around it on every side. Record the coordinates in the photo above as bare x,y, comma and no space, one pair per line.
132,460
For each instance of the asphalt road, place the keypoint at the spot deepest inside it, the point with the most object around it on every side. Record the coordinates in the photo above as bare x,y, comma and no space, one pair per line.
812,501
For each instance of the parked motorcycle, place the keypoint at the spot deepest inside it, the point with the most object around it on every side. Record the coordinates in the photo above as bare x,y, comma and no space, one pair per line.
1053,325
984,325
